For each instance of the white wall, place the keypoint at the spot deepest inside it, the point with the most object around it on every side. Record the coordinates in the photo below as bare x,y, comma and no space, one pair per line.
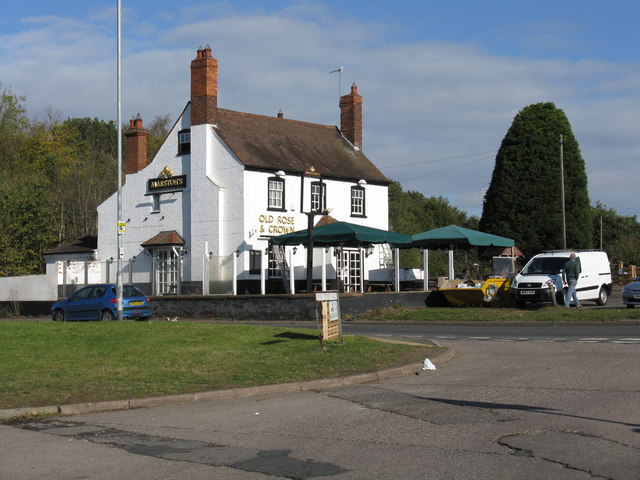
29,288
261,223
222,210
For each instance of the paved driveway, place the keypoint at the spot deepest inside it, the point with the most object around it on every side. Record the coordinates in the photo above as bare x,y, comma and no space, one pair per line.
496,411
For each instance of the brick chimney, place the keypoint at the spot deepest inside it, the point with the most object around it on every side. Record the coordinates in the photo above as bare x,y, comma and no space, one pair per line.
135,148
204,88
351,117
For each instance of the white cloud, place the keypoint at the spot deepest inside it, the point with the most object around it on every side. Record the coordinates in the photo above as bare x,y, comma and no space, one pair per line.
436,106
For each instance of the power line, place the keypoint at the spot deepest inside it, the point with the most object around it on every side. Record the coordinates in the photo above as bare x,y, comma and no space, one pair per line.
445,169
439,160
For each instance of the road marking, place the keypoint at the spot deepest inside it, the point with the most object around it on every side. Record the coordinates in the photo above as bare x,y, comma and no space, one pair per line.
631,340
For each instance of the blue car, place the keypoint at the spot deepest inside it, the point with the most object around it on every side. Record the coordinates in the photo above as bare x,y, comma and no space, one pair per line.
99,302
631,294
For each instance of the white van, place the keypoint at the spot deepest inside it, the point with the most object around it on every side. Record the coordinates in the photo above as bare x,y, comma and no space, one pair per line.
541,279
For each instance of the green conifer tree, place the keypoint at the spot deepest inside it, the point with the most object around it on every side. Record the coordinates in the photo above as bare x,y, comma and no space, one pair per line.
524,200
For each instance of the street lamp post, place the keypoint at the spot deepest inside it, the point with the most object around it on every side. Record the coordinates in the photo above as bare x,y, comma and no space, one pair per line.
310,216
119,296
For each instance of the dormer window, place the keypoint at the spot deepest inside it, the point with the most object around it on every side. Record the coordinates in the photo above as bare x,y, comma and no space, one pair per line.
184,142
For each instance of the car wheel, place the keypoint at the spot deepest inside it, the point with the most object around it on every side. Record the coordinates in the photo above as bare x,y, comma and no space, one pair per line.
629,305
59,316
107,316
603,296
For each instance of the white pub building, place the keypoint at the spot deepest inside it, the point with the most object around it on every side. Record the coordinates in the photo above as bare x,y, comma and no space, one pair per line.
199,216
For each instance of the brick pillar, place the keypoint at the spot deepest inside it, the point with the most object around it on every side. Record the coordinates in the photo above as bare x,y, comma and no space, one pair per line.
351,116
135,148
204,88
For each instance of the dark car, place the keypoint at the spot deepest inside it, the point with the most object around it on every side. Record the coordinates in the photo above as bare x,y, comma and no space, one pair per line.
631,294
99,302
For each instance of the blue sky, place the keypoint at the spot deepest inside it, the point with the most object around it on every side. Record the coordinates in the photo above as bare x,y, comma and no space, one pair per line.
441,80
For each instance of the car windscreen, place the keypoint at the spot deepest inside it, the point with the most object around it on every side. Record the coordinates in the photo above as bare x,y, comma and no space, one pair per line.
545,266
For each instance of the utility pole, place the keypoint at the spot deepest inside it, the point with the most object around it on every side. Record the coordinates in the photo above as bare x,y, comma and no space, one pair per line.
564,221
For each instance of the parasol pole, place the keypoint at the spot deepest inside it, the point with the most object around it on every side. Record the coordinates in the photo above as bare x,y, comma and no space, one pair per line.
451,262
425,266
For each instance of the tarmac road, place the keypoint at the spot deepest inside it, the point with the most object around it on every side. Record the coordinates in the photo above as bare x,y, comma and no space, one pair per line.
496,410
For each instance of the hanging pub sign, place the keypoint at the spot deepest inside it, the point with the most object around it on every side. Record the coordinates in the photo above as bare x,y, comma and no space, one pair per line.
166,182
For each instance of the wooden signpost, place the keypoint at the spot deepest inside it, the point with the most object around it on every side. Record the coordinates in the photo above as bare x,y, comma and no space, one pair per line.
330,311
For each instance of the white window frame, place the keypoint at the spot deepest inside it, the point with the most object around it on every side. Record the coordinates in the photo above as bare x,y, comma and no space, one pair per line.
357,202
273,267
318,196
275,200
350,269
167,271
184,142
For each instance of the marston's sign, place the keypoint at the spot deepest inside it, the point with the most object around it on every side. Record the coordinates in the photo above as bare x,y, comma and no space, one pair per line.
171,184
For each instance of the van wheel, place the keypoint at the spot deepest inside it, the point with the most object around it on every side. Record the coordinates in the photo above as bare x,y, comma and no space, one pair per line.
560,297
603,296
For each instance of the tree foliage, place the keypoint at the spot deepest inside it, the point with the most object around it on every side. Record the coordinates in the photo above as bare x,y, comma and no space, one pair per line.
14,126
25,226
57,172
55,175
158,131
411,212
619,235
524,200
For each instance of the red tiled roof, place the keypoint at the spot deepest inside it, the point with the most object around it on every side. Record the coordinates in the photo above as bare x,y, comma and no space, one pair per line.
325,220
164,238
272,143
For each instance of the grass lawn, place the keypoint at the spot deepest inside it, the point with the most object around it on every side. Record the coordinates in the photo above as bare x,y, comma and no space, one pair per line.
516,315
47,363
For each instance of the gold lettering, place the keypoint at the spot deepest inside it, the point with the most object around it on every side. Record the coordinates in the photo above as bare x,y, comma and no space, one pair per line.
285,220
167,182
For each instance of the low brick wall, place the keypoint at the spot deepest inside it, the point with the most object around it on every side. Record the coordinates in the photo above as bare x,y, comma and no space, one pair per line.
275,307
250,307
